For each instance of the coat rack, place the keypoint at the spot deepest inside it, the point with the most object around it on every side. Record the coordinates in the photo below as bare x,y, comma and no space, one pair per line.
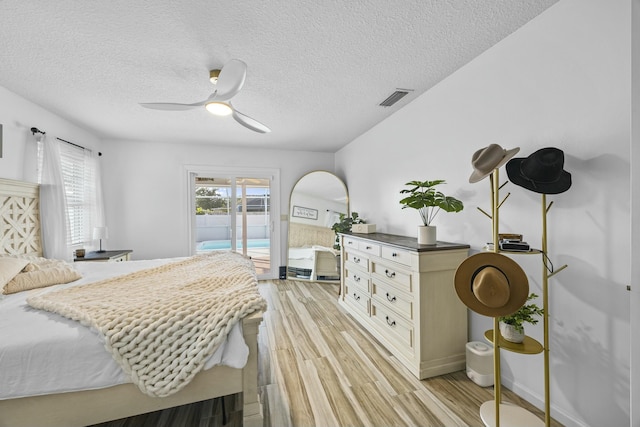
491,411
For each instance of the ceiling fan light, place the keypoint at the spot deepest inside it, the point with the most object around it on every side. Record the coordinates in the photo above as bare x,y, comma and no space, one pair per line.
219,108
213,76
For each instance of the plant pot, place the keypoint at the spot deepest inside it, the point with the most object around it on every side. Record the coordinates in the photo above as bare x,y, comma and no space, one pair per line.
510,333
426,235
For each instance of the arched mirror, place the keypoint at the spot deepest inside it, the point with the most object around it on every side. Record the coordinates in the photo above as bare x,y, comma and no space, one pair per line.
316,202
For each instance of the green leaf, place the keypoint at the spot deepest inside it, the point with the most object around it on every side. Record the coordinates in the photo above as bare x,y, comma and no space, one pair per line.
423,197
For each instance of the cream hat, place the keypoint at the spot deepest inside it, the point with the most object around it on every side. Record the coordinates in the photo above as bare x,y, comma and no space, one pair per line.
485,160
491,284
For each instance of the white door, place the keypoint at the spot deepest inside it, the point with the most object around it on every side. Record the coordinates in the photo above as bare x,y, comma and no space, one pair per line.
234,210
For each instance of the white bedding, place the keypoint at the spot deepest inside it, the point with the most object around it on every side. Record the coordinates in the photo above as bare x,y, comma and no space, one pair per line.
301,254
306,254
44,353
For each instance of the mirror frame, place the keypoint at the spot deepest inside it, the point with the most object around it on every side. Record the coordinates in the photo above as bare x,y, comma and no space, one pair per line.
348,212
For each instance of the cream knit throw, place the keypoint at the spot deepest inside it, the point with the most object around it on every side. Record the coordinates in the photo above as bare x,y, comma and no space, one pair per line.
162,324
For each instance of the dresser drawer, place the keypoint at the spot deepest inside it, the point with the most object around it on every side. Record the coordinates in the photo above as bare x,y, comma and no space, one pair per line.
369,247
396,255
358,278
392,324
393,275
349,243
390,297
355,297
358,260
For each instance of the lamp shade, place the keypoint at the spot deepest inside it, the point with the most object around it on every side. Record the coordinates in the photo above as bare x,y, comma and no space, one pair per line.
100,233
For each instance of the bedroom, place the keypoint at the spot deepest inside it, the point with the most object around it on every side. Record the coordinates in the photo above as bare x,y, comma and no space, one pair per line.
563,79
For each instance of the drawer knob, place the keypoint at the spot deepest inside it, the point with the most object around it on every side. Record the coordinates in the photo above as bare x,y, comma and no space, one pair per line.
349,242
395,254
390,274
356,260
356,278
391,299
368,247
391,323
356,297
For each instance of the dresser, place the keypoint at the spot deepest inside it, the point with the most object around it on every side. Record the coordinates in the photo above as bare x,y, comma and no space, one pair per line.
403,294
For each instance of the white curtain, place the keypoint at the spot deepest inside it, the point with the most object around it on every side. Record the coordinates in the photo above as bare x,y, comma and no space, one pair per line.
68,169
53,202
95,189
331,218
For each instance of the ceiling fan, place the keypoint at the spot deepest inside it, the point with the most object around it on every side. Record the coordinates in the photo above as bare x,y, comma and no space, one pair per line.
228,81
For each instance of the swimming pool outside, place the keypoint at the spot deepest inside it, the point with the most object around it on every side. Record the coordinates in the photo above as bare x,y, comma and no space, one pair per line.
212,245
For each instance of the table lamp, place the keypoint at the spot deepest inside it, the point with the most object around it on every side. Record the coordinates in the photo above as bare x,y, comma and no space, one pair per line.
100,233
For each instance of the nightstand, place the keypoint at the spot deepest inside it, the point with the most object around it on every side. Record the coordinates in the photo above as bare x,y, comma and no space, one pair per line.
106,256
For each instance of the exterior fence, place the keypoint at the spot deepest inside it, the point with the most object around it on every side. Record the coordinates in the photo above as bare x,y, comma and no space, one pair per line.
218,227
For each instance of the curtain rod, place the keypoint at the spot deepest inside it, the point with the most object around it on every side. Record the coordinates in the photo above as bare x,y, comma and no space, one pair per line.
35,130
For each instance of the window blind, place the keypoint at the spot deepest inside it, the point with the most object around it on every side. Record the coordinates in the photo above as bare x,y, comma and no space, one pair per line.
78,177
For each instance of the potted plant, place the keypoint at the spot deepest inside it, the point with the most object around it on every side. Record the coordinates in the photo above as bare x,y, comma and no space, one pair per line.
512,326
423,197
344,226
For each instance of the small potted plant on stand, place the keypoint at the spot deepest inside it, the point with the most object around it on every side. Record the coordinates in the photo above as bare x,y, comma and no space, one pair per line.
512,326
423,197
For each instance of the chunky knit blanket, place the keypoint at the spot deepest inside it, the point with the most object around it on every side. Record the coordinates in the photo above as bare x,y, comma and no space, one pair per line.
162,324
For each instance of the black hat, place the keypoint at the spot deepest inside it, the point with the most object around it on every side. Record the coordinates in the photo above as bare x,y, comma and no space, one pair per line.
541,172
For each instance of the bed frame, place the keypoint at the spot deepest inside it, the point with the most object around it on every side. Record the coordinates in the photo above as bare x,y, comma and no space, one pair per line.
20,220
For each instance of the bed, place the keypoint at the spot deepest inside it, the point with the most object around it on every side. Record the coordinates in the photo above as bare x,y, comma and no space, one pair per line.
311,256
109,394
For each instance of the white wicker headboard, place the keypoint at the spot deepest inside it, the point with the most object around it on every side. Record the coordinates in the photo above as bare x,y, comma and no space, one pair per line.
20,218
306,235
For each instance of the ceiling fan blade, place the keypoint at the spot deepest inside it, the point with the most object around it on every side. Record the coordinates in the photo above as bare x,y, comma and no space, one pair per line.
249,123
171,106
168,106
231,79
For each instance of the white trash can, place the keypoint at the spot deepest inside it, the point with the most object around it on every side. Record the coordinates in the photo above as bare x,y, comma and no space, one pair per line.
480,363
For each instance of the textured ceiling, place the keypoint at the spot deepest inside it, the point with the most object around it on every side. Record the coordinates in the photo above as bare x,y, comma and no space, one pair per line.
317,69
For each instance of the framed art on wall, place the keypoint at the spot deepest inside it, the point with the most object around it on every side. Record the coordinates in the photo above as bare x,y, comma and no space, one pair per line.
307,213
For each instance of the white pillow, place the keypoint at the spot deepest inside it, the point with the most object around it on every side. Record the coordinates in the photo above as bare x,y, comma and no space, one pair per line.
9,268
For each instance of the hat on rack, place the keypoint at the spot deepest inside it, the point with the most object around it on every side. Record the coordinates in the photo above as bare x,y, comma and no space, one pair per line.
491,157
491,284
541,172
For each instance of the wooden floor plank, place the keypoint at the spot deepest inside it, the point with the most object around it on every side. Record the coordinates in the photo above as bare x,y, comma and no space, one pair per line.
340,397
294,388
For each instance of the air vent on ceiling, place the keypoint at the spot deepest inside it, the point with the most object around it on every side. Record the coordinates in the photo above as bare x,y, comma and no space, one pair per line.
395,97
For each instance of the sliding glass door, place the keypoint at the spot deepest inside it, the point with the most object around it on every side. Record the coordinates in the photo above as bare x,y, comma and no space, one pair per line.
233,211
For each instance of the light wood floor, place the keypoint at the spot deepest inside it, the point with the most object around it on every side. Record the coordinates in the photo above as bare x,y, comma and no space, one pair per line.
319,368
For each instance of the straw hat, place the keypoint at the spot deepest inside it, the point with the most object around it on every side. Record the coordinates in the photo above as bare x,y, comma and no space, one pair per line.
491,284
541,172
491,157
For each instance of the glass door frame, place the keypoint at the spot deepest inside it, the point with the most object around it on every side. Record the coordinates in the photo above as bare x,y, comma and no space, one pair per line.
232,173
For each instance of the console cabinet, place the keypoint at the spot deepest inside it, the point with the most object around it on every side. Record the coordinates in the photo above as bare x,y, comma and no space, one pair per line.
403,294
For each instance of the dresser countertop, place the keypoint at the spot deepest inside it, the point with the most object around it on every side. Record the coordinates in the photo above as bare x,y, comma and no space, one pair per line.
405,242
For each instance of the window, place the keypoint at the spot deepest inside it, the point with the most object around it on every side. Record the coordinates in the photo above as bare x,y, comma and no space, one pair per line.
79,174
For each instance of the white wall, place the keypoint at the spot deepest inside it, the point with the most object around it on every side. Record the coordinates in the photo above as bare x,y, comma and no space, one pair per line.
18,116
145,189
563,80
